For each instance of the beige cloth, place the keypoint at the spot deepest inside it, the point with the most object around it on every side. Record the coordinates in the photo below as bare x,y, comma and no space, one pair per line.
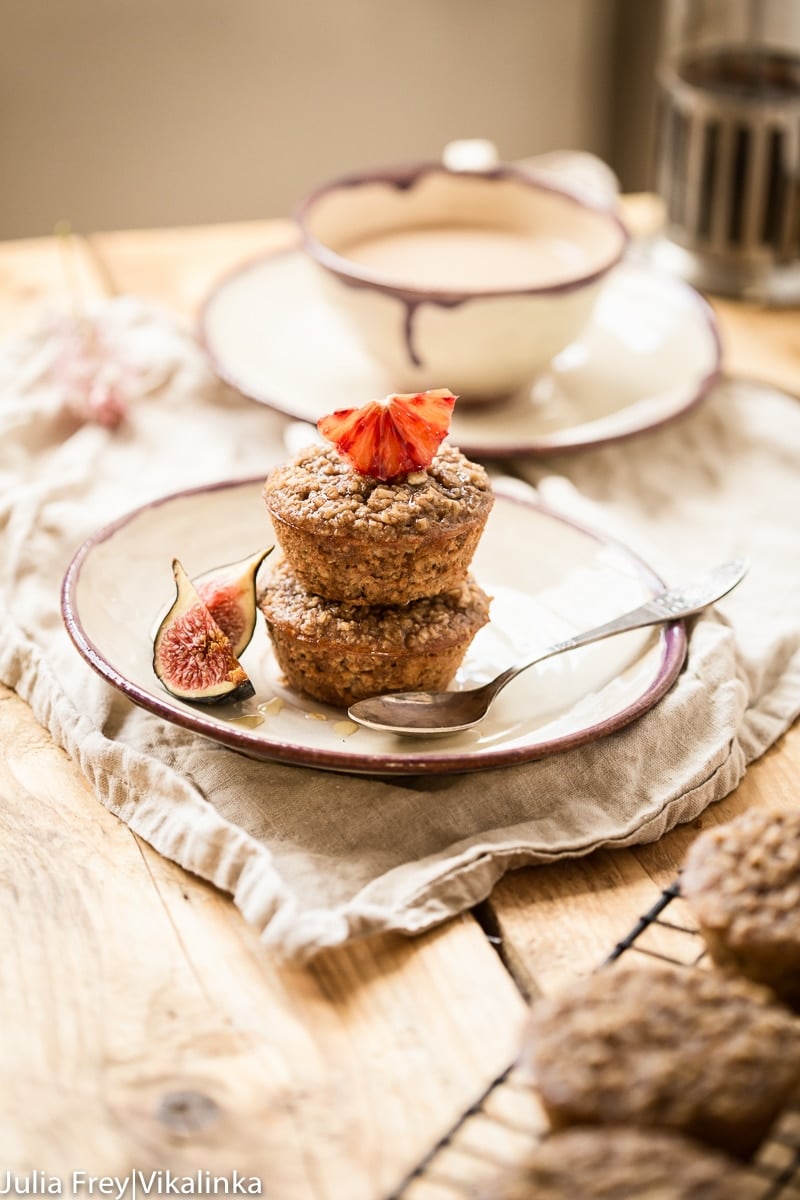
315,858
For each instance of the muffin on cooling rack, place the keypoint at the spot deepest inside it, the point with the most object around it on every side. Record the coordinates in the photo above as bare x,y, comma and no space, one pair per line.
668,1047
742,882
339,652
386,514
619,1163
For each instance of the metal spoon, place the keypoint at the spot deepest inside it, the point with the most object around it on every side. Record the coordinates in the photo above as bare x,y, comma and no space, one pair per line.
450,712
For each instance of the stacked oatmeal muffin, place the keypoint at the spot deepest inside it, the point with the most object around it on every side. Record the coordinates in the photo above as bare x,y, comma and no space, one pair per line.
378,532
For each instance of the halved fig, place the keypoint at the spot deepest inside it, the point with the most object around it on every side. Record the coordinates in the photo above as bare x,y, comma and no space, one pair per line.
192,656
229,594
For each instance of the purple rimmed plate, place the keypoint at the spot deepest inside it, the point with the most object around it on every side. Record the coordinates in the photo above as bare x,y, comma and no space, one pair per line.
548,578
650,352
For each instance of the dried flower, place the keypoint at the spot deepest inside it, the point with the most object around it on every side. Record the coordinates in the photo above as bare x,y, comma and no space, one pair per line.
94,365
96,384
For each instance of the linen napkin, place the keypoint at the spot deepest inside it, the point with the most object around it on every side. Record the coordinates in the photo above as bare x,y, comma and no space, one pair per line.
314,858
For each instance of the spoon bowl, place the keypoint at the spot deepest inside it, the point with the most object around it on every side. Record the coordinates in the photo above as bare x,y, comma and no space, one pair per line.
431,713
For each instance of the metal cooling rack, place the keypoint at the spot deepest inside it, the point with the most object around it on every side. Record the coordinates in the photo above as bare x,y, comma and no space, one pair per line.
506,1122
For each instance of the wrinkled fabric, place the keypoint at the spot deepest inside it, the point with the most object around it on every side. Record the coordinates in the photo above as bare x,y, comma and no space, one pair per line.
314,858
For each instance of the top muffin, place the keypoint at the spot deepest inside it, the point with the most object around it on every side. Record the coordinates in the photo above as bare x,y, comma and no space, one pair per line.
742,881
349,536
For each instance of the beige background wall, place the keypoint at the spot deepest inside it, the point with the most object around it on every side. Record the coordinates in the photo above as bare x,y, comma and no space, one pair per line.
124,113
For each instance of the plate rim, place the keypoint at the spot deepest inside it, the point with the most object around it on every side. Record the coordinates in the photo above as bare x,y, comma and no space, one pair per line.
673,652
536,447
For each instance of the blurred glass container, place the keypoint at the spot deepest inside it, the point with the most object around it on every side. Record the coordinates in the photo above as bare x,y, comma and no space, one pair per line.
728,146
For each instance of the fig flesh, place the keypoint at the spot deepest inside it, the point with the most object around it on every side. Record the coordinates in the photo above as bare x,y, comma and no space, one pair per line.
229,594
192,656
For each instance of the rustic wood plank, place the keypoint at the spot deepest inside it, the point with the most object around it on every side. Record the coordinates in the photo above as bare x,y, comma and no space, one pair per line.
42,275
432,1189
145,1026
559,922
760,343
487,1145
176,267
179,266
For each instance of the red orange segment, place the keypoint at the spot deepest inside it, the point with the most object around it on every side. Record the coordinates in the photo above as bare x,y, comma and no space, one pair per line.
388,438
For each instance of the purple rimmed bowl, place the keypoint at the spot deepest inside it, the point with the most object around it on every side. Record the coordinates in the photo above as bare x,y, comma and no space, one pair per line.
472,280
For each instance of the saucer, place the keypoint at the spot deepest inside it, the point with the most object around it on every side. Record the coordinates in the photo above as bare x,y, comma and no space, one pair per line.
120,581
649,353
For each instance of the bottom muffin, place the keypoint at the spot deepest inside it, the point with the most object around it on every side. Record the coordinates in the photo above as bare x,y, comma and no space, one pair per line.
339,652
625,1164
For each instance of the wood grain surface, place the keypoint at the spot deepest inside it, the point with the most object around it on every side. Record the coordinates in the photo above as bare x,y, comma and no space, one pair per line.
145,1027
143,1024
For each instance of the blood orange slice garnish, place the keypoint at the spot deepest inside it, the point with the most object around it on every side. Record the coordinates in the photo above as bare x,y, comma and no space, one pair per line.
388,438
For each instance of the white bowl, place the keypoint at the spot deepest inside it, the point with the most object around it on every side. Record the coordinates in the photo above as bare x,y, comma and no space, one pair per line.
472,280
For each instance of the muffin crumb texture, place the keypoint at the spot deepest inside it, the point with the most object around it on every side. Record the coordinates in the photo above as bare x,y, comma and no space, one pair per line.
618,1163
692,1051
742,882
319,489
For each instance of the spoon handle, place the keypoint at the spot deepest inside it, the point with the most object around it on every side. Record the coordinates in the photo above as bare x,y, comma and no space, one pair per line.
670,605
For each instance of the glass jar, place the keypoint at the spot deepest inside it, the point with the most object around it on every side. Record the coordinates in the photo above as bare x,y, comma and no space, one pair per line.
728,146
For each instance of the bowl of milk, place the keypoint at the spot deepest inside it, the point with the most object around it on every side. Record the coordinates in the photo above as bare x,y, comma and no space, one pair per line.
467,279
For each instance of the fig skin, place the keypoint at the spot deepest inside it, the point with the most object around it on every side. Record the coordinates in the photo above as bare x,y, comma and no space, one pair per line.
192,656
229,594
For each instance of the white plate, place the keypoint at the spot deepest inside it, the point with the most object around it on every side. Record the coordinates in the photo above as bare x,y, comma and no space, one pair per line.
549,579
650,352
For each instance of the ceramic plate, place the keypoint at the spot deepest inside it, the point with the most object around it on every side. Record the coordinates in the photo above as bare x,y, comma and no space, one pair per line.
650,352
548,578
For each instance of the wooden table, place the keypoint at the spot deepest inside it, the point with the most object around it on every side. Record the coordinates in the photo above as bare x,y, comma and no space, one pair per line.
143,1025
